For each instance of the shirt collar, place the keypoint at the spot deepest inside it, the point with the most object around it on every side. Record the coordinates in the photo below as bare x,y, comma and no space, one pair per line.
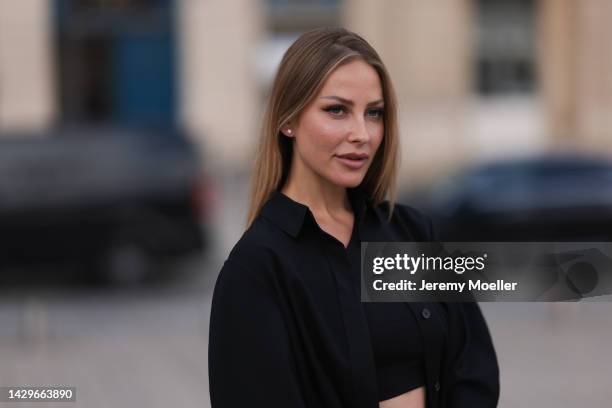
289,215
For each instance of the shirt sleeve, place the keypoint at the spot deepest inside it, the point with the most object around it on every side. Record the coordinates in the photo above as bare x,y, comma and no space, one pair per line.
473,372
473,369
250,363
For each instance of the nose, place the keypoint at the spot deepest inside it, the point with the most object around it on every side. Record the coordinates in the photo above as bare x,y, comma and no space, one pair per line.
359,131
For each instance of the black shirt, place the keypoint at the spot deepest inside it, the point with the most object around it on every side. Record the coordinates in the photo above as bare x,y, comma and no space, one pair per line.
287,327
397,343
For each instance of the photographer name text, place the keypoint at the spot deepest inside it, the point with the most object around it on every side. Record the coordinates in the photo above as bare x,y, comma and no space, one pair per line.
459,287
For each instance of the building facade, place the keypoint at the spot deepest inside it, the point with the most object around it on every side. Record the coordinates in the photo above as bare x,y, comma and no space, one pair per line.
475,78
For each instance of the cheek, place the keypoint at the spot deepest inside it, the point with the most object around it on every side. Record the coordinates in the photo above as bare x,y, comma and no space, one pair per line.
377,132
326,135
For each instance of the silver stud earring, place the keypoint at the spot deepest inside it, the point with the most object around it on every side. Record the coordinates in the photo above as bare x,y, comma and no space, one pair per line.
288,131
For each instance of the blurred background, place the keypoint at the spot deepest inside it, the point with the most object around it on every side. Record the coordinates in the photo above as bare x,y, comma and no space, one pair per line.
127,131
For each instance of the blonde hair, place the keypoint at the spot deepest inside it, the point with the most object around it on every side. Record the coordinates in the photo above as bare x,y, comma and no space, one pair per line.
301,74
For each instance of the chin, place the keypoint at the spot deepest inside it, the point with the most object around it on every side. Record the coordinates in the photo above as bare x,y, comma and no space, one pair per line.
348,181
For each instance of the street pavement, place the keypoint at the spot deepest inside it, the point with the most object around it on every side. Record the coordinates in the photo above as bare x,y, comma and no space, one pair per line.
147,346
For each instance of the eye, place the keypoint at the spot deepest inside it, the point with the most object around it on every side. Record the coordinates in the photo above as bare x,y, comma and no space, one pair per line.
375,113
336,110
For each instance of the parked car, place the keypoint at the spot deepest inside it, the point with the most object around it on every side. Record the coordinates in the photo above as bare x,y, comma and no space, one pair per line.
115,200
545,198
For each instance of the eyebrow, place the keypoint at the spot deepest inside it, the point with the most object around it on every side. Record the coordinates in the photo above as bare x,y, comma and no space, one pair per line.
348,101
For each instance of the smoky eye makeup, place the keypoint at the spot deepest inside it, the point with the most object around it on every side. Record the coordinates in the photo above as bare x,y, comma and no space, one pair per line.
335,110
376,112
341,110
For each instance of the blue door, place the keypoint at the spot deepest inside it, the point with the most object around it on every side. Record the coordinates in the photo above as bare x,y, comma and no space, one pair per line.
116,61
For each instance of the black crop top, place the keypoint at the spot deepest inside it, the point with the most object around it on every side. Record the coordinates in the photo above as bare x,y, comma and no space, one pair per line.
397,343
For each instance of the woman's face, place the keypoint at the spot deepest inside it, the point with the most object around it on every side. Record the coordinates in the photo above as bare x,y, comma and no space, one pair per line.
338,133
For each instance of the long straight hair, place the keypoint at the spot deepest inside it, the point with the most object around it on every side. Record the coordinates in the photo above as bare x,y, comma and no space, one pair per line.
304,68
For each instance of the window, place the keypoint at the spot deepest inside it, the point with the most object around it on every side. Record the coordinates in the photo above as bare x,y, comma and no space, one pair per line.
301,15
505,46
116,61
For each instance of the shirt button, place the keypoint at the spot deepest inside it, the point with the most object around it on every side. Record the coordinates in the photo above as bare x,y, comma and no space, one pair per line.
437,386
425,313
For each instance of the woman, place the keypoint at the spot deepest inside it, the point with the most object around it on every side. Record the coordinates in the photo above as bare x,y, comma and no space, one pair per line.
287,326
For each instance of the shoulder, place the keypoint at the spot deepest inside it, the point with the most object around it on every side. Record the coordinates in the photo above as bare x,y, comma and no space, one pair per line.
408,219
254,257
260,241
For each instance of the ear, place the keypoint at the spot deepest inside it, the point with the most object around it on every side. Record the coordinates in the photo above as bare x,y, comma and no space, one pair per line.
288,130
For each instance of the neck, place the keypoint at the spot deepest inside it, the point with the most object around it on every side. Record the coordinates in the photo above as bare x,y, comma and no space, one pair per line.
319,195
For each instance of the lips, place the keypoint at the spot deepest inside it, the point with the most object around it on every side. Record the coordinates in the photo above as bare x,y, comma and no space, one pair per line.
354,156
353,160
